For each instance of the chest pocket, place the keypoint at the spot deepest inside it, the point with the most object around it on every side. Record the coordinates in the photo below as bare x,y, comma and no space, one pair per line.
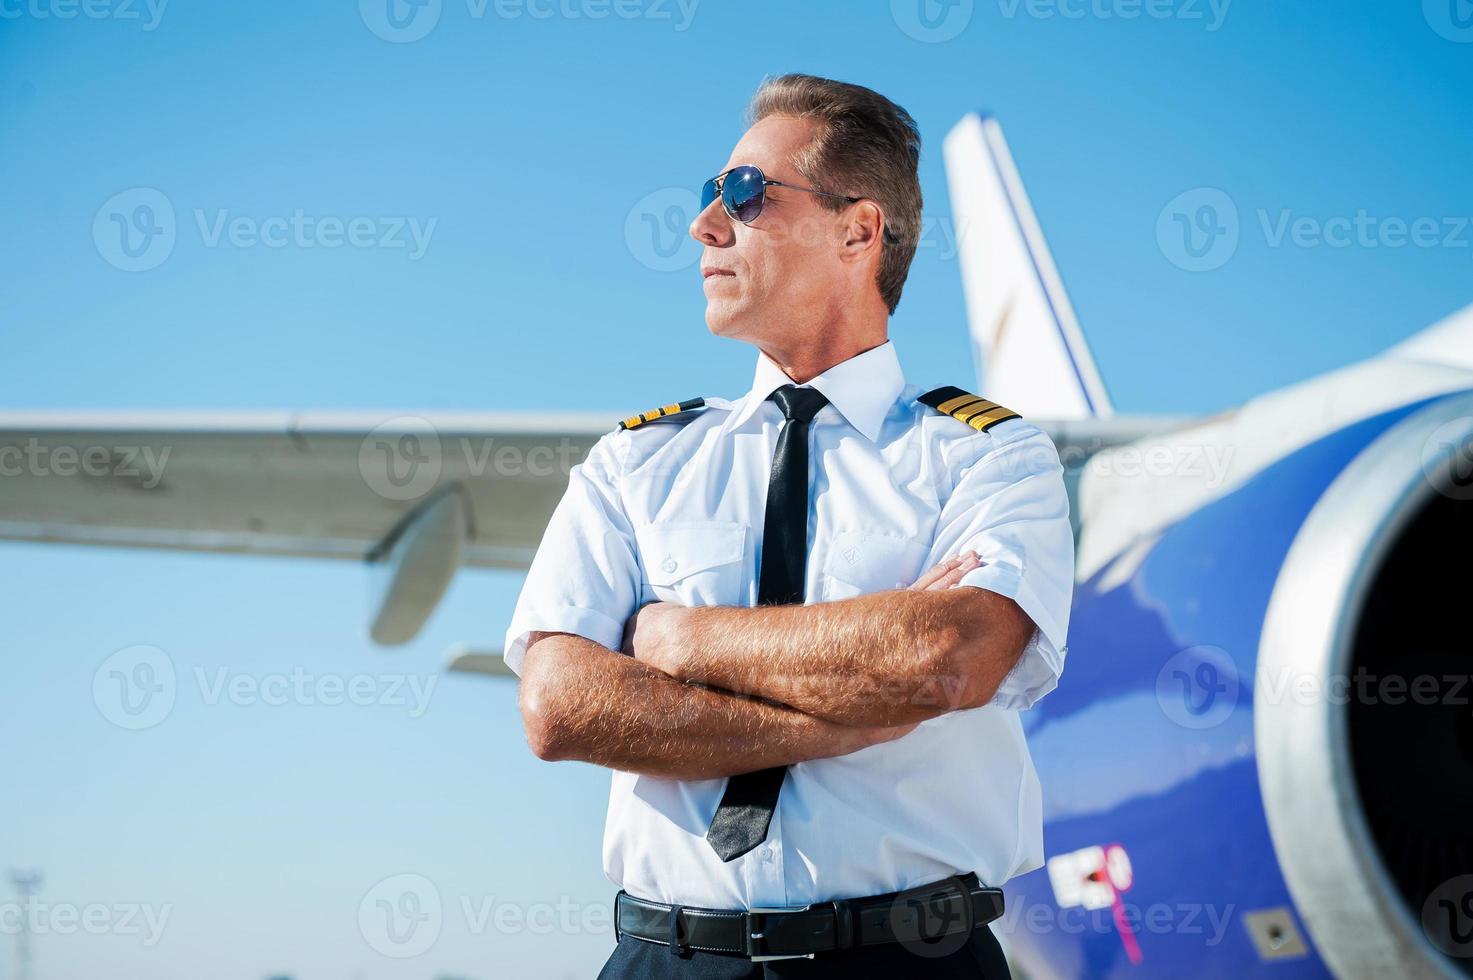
857,562
693,563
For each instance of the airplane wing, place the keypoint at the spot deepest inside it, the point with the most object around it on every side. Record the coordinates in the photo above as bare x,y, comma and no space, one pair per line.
329,485
415,496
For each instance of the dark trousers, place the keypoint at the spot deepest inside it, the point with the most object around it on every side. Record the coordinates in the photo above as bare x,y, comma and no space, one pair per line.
979,956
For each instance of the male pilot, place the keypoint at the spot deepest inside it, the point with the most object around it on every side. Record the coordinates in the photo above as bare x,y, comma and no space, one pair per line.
799,625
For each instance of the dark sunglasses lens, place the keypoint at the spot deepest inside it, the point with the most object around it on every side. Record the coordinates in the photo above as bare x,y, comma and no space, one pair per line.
742,193
708,193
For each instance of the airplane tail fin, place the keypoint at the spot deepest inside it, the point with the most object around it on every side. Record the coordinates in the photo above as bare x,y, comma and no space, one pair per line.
1031,355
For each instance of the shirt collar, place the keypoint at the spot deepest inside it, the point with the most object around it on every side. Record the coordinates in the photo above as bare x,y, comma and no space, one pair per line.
862,388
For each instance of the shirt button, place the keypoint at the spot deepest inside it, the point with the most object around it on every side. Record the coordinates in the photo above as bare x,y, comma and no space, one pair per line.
668,565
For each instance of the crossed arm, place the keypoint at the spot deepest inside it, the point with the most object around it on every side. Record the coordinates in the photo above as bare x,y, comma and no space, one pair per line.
715,691
888,658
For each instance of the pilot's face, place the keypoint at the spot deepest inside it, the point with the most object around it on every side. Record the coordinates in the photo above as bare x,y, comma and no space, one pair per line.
782,270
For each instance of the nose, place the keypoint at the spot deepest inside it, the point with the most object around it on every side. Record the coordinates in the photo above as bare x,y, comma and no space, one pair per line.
713,226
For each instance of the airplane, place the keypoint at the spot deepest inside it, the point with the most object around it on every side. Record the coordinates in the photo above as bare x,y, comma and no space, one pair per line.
1239,777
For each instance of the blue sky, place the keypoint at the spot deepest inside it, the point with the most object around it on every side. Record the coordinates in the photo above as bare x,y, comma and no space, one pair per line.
527,150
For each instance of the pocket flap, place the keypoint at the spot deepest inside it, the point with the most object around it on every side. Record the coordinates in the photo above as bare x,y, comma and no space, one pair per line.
672,550
873,561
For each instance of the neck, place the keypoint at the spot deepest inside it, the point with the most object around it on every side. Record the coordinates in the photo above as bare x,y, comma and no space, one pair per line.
822,348
803,366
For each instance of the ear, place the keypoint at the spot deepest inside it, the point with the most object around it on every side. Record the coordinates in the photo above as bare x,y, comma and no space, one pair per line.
863,232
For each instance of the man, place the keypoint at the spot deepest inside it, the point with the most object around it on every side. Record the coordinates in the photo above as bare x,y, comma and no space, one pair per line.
832,596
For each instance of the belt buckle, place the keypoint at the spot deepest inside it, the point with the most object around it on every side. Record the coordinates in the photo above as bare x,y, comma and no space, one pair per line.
755,936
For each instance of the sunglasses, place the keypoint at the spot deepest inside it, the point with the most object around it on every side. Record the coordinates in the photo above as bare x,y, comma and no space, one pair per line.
743,192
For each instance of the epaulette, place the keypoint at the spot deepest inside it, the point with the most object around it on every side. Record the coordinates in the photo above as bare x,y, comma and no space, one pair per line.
664,411
964,406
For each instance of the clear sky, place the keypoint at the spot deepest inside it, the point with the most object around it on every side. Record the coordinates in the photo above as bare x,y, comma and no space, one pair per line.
476,205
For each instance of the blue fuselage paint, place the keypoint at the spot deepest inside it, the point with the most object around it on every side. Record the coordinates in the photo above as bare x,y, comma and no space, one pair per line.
1148,740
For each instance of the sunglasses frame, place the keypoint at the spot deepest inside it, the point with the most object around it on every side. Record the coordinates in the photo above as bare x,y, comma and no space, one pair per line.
720,182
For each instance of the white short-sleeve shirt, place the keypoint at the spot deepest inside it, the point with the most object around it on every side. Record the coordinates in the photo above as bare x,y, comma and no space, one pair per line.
673,510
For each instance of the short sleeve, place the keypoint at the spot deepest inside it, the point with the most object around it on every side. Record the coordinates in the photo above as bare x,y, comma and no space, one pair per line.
584,578
1011,506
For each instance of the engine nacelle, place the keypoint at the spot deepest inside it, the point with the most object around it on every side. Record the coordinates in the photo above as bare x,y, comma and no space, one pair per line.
1237,774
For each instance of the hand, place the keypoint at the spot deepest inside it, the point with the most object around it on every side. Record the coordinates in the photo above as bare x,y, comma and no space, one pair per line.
652,636
947,573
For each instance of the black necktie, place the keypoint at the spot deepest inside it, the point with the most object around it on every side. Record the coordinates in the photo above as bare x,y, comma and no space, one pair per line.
741,820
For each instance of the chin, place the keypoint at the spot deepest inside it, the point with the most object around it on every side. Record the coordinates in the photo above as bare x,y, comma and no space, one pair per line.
723,321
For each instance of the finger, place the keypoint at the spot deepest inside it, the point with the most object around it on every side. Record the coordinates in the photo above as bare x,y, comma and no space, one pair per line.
977,562
949,579
968,562
935,572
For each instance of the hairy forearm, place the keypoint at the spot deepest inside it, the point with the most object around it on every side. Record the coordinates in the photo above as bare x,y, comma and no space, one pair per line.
582,701
886,658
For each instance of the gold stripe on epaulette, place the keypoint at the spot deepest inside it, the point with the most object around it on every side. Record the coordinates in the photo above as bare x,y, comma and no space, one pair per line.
987,420
661,412
976,411
950,406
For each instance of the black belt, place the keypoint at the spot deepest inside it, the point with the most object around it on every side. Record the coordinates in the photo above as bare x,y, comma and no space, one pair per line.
922,914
